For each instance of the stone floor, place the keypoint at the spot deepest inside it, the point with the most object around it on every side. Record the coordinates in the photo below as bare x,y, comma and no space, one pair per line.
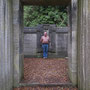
45,71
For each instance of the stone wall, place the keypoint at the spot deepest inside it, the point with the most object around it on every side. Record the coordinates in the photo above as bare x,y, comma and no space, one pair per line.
72,42
62,42
18,41
57,47
30,44
84,44
6,45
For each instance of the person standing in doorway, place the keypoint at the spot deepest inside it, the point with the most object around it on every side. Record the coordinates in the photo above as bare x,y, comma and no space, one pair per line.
45,42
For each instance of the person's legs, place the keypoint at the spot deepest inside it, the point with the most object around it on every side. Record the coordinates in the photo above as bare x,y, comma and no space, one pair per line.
46,51
44,54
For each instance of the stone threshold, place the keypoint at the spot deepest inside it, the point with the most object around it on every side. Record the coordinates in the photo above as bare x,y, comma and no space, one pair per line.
46,85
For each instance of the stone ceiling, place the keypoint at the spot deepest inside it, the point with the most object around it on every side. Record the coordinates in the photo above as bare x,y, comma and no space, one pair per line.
46,2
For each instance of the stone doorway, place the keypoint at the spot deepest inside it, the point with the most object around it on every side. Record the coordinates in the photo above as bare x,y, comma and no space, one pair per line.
18,41
10,38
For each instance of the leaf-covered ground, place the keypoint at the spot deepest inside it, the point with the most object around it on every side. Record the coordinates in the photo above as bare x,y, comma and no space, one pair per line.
45,71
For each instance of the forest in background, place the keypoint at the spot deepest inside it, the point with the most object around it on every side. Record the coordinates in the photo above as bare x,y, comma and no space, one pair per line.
34,15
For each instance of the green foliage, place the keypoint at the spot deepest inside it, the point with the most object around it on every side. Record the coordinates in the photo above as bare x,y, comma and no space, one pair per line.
34,15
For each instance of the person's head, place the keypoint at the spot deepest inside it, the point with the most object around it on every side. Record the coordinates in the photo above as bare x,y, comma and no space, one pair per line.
45,34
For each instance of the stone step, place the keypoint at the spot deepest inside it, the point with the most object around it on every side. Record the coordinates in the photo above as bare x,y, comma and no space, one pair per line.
61,86
47,85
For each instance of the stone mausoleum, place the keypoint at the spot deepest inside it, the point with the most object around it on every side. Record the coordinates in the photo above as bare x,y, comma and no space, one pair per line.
12,39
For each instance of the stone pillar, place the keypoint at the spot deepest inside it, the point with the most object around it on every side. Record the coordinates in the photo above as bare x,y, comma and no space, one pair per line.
52,45
39,34
18,41
84,44
72,46
6,45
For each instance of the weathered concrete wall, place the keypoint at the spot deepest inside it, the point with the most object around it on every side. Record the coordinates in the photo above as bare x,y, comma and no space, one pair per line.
30,44
62,42
72,42
84,45
18,41
6,45
57,47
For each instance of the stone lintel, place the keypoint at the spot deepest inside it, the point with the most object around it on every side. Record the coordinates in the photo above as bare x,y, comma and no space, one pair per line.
46,2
